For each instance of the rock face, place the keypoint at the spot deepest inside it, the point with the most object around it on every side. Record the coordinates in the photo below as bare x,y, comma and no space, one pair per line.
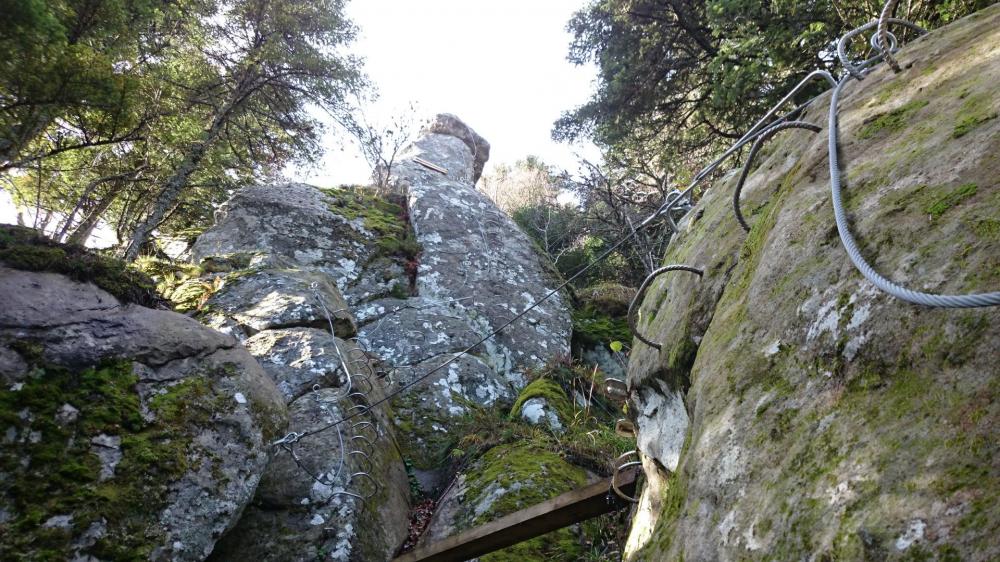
341,492
474,263
128,432
298,225
474,257
414,296
802,413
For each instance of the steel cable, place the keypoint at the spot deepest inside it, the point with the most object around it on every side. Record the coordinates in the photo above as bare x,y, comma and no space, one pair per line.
851,245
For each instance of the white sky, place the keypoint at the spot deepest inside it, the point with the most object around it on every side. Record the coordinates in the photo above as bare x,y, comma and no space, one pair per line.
499,66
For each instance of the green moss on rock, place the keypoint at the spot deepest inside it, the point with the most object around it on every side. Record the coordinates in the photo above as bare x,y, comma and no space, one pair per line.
27,249
592,326
513,477
51,467
952,198
553,394
892,121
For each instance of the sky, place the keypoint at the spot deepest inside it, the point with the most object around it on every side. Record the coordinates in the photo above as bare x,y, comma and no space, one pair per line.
499,66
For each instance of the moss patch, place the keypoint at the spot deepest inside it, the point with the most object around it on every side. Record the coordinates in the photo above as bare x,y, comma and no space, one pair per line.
592,326
26,249
553,394
513,477
949,200
52,469
976,110
892,121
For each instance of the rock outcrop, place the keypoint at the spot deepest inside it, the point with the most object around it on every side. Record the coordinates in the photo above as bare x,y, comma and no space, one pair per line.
341,492
476,271
795,411
418,278
129,432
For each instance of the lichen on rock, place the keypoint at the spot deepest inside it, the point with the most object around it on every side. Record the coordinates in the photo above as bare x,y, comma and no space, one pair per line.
128,432
828,420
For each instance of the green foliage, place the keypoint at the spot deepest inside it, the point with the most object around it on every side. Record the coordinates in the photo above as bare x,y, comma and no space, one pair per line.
24,248
150,114
673,77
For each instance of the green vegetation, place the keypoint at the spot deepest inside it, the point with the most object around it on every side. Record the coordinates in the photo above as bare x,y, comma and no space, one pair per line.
532,464
51,468
24,248
387,219
553,394
673,78
956,196
124,112
893,121
593,327
975,111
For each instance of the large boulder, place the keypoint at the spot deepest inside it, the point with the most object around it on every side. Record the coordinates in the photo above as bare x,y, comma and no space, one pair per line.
474,256
316,504
797,412
267,299
336,231
451,384
128,432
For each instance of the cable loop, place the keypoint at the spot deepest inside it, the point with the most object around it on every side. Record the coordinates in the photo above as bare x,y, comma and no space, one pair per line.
753,153
637,300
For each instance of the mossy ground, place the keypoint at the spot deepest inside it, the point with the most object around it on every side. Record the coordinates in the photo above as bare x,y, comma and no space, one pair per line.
26,249
51,468
534,464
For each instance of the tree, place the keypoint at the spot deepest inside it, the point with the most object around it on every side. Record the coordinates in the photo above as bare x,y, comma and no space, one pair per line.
380,143
70,68
272,59
681,78
526,183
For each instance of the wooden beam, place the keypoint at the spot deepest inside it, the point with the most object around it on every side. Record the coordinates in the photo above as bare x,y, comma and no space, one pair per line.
556,513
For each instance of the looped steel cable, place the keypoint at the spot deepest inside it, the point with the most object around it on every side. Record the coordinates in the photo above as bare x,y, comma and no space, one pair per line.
634,305
882,34
857,72
854,252
767,134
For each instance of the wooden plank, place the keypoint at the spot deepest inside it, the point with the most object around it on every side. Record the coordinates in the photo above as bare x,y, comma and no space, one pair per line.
556,513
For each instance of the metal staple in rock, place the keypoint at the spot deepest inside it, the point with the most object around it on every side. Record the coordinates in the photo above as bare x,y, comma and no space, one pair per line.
633,307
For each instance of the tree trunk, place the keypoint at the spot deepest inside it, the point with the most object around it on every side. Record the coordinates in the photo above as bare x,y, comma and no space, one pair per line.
86,227
171,192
